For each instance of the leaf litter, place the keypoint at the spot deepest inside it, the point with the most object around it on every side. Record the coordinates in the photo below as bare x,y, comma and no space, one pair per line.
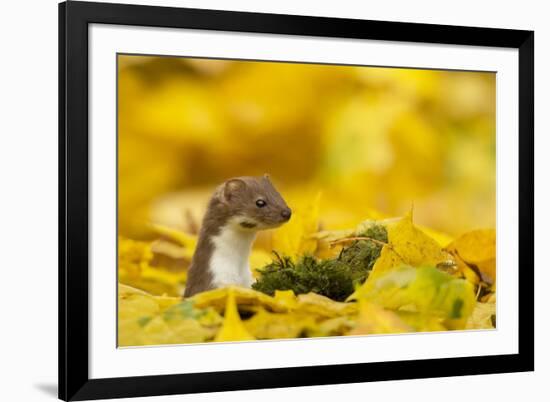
383,277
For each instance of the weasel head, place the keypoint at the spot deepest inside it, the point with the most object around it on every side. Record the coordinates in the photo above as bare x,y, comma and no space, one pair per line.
253,203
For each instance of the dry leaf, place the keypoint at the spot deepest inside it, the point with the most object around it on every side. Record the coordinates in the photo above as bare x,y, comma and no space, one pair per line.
266,325
297,236
424,290
483,316
247,299
477,250
374,319
407,245
232,328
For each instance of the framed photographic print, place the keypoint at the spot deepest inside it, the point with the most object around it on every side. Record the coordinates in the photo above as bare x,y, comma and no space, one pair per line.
257,200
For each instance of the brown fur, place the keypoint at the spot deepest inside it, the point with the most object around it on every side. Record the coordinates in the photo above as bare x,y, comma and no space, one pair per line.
235,198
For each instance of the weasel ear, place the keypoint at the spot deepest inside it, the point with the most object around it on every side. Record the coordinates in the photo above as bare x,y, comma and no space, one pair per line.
266,177
232,187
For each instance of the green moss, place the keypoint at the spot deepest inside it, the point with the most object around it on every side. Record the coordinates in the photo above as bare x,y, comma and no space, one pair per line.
362,254
335,278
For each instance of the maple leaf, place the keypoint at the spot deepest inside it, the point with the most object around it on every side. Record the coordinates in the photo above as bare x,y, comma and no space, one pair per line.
424,290
232,328
407,245
297,236
373,319
476,251
247,299
266,325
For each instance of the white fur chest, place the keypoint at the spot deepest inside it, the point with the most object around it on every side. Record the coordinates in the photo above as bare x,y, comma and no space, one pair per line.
229,260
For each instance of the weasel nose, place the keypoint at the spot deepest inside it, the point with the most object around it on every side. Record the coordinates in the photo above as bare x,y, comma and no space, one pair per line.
285,213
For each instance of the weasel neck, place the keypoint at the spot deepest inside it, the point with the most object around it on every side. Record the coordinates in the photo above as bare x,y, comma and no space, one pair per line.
229,261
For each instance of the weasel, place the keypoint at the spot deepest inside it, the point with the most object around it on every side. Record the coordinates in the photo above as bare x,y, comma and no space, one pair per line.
238,209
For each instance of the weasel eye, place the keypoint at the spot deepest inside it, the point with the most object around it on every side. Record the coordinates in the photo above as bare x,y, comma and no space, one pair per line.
261,203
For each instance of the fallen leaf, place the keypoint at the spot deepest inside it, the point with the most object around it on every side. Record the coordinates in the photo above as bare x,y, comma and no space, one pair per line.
332,327
422,322
477,250
135,269
232,328
407,245
483,316
266,325
145,319
286,298
424,290
184,239
297,236
374,319
247,299
312,303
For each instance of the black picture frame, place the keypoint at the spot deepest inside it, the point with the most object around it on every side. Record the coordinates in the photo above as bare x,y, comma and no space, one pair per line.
74,18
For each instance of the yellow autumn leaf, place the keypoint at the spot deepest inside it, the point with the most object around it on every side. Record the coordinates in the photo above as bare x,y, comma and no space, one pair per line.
407,245
463,270
441,238
297,236
374,319
490,297
424,290
422,322
126,291
179,331
172,250
247,299
318,305
170,279
184,239
140,319
286,298
483,316
132,255
332,327
135,269
232,328
266,325
162,302
477,250
133,307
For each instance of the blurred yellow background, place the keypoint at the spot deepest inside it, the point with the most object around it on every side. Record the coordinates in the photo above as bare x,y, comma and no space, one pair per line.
373,141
